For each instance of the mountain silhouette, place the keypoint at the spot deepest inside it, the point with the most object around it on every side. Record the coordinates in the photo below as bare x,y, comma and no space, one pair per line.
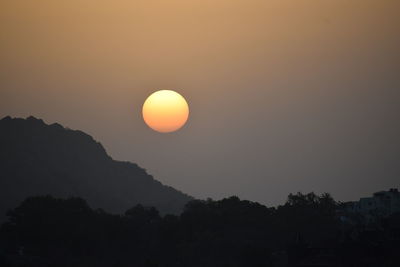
37,159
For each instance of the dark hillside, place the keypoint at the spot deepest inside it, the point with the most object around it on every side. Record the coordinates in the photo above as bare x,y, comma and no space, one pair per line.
37,159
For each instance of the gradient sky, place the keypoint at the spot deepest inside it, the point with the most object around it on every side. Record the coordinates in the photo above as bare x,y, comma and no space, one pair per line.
285,96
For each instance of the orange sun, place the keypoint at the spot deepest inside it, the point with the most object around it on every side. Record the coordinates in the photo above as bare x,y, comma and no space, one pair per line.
165,111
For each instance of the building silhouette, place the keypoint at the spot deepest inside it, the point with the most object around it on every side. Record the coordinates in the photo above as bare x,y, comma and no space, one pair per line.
382,204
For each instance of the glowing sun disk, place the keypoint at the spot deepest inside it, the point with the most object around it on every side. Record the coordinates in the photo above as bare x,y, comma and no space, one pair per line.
165,111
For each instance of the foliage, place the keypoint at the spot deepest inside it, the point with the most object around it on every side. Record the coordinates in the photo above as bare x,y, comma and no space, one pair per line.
47,231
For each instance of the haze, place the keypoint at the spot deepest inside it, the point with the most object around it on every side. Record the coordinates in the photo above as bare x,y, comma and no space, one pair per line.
285,96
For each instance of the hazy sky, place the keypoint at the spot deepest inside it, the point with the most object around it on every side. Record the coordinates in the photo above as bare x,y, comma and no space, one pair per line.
285,96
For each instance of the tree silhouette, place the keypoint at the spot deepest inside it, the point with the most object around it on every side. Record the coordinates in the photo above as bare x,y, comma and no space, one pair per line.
48,231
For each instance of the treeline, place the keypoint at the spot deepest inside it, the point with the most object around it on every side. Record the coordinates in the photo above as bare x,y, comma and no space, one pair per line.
305,231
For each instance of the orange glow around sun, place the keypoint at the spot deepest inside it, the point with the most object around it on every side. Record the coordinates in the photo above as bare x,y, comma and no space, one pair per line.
165,111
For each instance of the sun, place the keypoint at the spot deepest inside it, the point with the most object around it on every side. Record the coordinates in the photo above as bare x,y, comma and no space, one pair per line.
165,111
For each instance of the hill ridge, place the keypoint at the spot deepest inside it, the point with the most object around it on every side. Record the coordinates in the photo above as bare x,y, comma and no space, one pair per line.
38,158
